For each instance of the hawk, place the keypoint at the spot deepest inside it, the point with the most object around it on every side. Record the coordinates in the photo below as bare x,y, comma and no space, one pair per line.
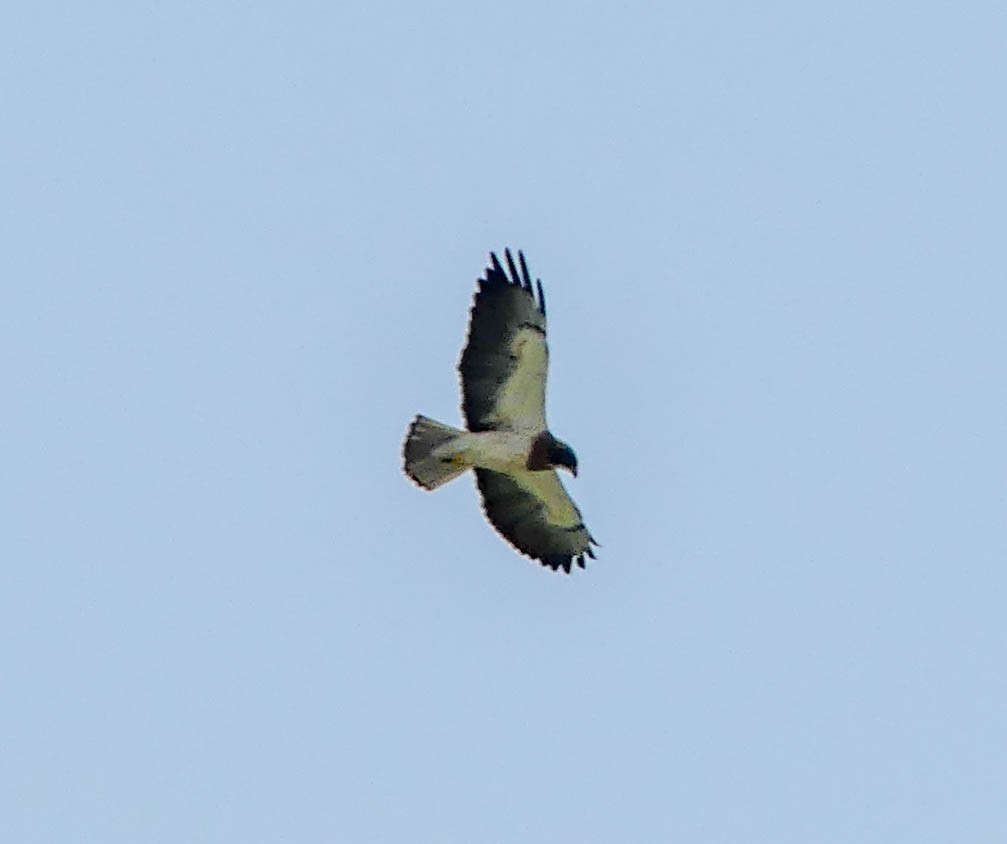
507,442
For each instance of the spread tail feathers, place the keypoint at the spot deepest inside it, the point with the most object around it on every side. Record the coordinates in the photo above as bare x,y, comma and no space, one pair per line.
429,458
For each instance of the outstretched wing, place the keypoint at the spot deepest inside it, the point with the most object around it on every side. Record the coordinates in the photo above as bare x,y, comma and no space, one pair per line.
504,364
536,515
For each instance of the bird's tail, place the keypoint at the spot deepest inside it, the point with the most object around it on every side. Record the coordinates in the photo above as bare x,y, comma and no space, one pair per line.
430,458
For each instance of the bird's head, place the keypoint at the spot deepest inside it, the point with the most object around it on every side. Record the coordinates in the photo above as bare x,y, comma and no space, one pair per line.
561,455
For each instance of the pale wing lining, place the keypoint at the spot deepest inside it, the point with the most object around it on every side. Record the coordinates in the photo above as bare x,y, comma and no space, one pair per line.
520,404
559,509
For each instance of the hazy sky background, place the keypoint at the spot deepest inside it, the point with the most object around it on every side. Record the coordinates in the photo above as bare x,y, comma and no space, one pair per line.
239,246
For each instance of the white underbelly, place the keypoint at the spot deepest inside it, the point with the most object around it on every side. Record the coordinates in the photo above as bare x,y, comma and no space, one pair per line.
502,451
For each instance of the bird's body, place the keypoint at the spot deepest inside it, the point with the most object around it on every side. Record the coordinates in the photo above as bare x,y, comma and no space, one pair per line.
499,451
508,443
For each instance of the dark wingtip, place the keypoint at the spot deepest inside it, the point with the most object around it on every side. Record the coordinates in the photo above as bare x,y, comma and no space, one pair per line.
525,275
515,276
558,562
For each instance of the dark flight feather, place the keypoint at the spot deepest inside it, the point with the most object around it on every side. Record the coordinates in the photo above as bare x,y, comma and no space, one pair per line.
520,517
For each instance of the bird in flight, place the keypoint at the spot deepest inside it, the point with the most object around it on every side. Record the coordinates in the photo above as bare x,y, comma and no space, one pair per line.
508,443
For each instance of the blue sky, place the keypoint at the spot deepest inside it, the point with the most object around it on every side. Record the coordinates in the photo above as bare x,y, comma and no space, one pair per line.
240,243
